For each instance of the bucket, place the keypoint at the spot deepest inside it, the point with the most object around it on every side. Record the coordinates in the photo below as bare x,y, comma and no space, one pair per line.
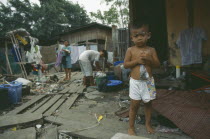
4,101
98,79
111,77
14,91
118,62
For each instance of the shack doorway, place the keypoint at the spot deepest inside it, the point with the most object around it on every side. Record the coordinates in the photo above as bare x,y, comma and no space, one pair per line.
154,11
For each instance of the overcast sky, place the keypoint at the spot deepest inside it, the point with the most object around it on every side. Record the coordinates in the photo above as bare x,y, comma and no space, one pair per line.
89,5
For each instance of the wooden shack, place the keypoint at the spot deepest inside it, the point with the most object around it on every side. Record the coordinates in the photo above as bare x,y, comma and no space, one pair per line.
93,34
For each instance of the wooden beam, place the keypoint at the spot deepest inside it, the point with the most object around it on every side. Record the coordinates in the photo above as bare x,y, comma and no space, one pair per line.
56,105
10,121
69,102
38,105
66,90
47,105
26,105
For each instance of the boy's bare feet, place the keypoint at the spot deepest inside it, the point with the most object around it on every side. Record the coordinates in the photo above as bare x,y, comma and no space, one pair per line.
150,130
131,132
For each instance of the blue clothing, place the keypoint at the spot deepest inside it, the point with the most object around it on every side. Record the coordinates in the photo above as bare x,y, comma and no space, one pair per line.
68,57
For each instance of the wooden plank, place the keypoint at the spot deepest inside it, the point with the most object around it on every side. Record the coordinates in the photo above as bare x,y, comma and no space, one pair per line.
7,121
126,136
65,90
28,133
73,88
47,105
56,105
50,133
26,105
69,102
81,89
38,105
60,120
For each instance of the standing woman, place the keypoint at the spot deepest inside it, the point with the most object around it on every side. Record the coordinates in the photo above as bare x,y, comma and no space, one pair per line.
66,60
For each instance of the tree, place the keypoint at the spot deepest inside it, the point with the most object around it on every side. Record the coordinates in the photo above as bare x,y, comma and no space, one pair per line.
15,15
118,13
44,21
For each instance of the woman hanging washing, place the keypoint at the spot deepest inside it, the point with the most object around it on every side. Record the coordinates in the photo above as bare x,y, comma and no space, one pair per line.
66,60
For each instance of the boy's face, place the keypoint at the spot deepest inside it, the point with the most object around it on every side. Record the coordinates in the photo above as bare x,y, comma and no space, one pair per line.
140,36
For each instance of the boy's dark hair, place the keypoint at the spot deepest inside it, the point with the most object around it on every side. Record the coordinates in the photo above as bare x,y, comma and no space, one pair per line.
139,24
105,54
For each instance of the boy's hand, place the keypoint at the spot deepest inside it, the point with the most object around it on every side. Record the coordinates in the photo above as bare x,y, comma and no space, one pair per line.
141,60
147,60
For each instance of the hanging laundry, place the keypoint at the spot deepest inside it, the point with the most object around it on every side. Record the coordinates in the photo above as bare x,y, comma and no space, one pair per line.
94,47
75,53
37,55
58,59
110,57
190,43
81,49
29,57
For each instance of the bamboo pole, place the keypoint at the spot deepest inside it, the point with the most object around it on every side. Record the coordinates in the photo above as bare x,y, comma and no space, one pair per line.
24,70
7,59
17,54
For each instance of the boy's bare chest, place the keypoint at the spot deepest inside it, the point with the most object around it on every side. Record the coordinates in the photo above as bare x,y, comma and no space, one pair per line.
136,53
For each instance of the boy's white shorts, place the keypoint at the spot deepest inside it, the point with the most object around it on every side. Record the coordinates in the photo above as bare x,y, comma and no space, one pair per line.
142,90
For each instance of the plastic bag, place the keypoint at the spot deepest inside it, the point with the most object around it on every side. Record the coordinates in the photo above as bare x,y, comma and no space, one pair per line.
144,75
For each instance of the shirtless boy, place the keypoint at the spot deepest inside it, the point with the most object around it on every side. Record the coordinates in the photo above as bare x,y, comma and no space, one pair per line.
141,90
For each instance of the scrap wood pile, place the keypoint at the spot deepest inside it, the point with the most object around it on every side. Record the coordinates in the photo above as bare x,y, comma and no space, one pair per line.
190,111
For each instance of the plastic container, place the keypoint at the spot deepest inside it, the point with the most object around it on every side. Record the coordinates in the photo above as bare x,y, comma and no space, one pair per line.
111,77
118,62
98,79
110,73
4,101
14,91
114,83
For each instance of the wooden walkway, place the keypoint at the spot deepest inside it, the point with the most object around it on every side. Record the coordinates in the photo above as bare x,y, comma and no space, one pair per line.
44,105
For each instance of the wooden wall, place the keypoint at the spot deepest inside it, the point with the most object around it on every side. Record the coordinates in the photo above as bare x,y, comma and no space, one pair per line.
177,20
48,53
90,34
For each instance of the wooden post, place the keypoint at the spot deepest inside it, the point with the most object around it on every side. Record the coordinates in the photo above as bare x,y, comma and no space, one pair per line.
105,47
87,45
7,59
115,42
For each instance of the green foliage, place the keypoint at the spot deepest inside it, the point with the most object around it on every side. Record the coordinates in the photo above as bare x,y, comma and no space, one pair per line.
43,21
118,13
